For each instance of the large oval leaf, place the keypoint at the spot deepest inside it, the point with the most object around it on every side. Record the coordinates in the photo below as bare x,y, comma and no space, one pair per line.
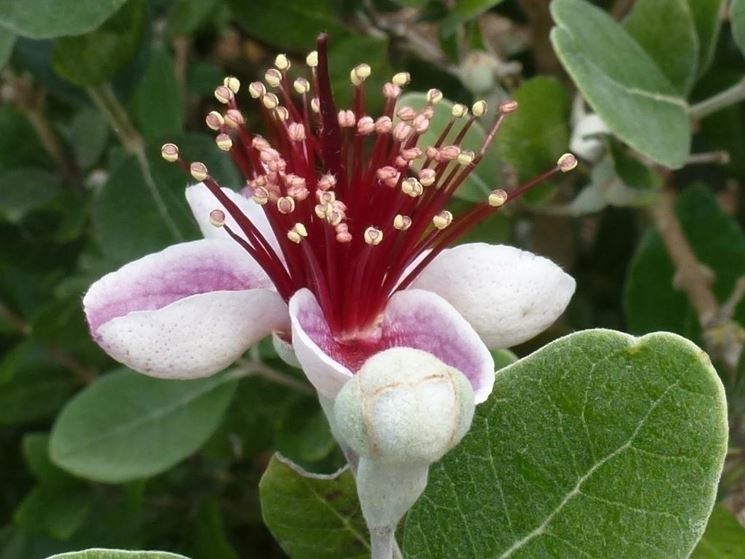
42,19
128,426
621,82
598,445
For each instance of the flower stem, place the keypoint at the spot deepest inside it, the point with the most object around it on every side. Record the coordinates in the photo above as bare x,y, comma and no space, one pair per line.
721,100
382,541
104,98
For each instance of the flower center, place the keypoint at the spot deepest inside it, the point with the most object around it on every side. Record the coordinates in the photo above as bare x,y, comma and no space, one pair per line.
357,204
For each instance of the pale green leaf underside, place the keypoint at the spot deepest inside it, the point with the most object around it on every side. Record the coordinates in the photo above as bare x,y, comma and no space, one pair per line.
117,554
598,445
621,82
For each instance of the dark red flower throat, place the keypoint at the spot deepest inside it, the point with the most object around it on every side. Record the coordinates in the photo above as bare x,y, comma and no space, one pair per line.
356,205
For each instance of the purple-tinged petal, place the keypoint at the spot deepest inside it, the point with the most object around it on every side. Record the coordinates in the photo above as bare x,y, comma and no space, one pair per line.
202,202
508,295
413,318
185,312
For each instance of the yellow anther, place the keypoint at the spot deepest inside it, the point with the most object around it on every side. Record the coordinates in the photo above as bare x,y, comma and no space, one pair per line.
508,107
297,233
497,198
282,113
412,187
282,62
479,108
256,90
232,83
270,101
401,79
223,94
373,236
214,120
459,111
466,157
273,77
169,152
434,96
360,73
217,218
442,219
301,85
312,59
224,142
286,205
260,195
198,170
567,162
315,105
402,222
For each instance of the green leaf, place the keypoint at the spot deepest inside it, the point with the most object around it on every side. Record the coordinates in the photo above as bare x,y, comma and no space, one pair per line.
208,533
94,58
7,40
128,426
651,302
290,24
313,516
724,537
532,139
57,511
88,135
463,11
632,172
488,175
25,190
186,16
36,454
621,82
597,445
675,51
42,19
157,107
707,16
737,15
116,554
36,392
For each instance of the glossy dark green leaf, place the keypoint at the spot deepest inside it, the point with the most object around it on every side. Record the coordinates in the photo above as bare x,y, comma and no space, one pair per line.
57,511
621,82
157,106
94,58
724,537
707,15
737,15
598,444
313,516
25,190
41,19
676,51
463,11
651,301
36,391
291,24
128,426
533,138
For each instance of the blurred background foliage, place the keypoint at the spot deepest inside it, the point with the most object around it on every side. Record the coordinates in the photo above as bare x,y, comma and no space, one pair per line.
94,455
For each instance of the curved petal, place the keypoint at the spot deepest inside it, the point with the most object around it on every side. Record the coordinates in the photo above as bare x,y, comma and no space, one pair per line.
186,311
202,202
508,295
413,318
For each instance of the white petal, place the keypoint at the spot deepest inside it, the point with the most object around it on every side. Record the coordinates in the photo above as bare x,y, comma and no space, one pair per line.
196,336
149,313
202,202
413,318
508,295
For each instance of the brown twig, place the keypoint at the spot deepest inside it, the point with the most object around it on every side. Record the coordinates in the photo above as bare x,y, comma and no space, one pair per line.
540,28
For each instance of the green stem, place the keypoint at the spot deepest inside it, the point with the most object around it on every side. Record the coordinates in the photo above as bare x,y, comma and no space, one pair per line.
104,98
721,100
